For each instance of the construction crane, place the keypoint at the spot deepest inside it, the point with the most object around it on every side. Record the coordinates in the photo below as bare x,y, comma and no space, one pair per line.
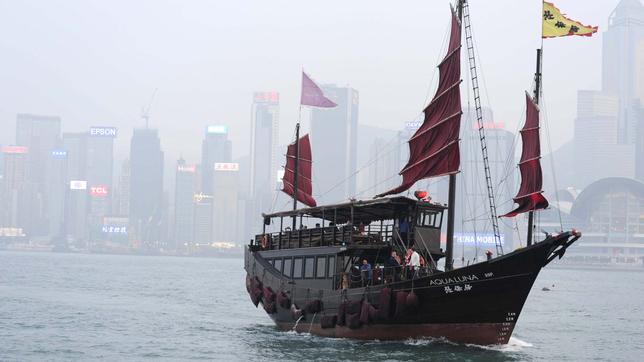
145,112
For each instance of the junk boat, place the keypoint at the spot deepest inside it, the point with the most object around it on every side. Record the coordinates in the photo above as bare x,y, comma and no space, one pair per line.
311,279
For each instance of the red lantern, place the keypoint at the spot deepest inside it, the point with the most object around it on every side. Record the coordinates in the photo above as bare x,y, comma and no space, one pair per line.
420,194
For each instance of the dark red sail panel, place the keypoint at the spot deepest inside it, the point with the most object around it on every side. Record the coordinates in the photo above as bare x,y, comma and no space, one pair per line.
530,197
433,149
304,185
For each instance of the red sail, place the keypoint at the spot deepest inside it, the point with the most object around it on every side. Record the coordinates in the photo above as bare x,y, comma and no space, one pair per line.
530,197
304,185
433,149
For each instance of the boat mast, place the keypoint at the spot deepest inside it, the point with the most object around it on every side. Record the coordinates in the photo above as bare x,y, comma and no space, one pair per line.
297,160
537,92
451,201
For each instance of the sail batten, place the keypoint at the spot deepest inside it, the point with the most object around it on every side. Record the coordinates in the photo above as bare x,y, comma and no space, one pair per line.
304,165
530,195
434,148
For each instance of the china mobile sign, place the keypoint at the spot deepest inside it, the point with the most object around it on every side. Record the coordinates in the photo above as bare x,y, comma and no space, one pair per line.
102,131
98,190
477,238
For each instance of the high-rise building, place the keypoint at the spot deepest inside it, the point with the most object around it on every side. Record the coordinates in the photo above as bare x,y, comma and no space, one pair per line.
100,166
226,202
75,144
13,214
264,143
334,137
215,148
122,202
203,205
57,194
598,151
146,188
379,159
41,134
639,146
472,203
185,189
607,127
623,64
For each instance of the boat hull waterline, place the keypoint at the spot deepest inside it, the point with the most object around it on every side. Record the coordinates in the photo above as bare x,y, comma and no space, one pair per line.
476,304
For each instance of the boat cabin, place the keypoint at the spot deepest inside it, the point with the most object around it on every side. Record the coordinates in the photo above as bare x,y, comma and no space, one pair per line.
327,244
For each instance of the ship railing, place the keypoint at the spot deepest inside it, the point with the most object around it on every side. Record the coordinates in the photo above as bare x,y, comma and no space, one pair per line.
325,236
358,278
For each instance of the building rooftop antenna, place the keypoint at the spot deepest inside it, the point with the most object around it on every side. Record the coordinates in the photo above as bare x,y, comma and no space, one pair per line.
145,112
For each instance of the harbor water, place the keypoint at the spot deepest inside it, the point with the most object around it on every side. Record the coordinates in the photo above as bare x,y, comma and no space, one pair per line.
62,307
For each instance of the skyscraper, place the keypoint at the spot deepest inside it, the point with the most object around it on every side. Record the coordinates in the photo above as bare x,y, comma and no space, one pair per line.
41,134
185,189
264,142
597,140
146,187
334,135
100,166
215,148
472,203
75,144
123,192
203,219
57,186
226,202
608,121
623,64
13,214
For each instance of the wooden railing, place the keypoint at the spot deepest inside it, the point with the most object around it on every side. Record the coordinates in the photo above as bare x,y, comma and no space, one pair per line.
324,236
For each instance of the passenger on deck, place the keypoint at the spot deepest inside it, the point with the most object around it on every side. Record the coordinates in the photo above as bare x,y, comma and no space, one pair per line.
403,229
366,272
361,228
344,282
412,261
392,267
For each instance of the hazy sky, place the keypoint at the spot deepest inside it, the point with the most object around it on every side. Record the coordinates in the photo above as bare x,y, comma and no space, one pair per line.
98,62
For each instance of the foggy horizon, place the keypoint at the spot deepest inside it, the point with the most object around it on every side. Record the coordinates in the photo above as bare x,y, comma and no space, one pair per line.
98,64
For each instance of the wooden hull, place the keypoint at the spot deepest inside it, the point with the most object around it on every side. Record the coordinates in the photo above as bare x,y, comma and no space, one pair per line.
477,304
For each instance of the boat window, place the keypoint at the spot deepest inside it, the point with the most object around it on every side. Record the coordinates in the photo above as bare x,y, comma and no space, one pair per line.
297,268
321,267
331,266
278,265
287,267
309,263
428,218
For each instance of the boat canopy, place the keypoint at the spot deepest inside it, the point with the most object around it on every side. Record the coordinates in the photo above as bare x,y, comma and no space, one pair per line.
362,211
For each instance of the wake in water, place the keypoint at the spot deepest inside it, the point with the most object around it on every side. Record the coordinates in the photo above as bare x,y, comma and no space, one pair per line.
513,345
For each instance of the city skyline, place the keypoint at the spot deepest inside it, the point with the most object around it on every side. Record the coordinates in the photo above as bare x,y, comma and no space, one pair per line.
393,88
149,181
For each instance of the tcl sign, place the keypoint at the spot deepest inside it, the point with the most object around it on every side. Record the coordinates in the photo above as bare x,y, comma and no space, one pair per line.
98,190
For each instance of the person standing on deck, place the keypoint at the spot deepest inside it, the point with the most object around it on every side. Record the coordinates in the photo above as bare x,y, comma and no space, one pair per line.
414,263
367,272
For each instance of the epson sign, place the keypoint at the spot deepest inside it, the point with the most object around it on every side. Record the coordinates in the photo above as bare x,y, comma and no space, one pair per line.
102,131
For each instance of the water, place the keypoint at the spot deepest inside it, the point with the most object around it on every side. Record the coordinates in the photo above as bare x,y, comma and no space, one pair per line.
63,307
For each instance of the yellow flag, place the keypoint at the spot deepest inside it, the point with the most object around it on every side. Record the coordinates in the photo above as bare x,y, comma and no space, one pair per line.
555,24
